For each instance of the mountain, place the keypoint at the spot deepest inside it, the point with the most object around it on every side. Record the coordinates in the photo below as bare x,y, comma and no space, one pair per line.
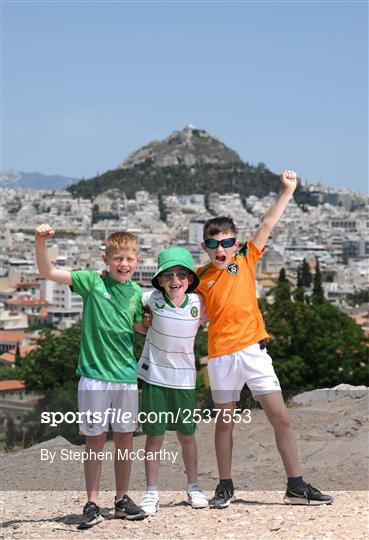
190,147
35,180
188,161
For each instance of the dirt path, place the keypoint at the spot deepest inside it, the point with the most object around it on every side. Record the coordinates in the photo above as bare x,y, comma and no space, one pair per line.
333,443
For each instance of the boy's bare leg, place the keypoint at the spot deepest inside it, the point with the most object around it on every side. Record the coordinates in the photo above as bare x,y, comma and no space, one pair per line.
278,416
122,467
93,467
224,438
153,444
189,455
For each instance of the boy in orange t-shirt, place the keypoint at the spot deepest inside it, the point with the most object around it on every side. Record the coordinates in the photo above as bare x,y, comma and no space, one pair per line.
237,347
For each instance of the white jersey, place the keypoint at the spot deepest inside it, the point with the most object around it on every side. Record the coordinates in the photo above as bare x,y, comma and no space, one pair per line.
168,357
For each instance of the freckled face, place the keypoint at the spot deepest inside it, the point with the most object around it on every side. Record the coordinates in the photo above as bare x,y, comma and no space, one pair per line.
122,264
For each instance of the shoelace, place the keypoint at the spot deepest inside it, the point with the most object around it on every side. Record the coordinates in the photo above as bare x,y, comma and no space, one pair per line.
149,498
195,493
222,492
90,506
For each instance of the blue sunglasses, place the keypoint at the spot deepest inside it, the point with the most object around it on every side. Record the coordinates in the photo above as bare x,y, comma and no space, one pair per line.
211,243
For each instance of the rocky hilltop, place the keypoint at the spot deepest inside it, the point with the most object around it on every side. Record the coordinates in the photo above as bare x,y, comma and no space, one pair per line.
44,499
188,161
190,147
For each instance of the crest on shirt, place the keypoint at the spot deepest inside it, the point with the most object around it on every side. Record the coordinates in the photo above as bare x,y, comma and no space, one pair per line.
159,306
210,283
233,268
107,295
194,312
133,303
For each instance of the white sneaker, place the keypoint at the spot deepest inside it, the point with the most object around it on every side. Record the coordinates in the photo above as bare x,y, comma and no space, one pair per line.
197,499
150,503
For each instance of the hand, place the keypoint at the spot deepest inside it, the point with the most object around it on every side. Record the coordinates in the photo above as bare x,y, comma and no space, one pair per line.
146,316
288,180
43,232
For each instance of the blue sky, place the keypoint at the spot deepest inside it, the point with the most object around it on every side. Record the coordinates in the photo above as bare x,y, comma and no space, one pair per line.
284,83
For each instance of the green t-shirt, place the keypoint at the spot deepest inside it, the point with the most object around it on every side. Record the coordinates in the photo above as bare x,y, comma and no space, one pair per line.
110,308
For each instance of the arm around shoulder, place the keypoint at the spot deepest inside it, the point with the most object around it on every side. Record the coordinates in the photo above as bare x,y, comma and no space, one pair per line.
140,328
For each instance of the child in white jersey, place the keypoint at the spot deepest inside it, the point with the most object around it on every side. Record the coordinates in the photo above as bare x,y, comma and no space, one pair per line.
167,369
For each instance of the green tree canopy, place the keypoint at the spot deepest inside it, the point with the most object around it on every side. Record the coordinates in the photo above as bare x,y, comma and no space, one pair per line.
305,273
318,292
314,345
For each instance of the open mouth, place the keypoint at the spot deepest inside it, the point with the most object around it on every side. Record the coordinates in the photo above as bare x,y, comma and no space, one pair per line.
175,287
123,272
220,258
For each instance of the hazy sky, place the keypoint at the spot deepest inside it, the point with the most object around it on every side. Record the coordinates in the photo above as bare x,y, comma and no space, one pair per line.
285,83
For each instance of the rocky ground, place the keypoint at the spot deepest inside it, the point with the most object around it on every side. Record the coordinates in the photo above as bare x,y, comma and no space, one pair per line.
44,500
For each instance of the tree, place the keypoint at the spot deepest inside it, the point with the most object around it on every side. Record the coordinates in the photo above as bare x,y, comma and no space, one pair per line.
282,276
318,293
62,399
53,362
18,358
282,291
299,282
306,276
299,293
358,297
314,345
9,372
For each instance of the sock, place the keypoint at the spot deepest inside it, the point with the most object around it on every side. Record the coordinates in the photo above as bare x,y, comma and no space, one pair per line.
227,483
193,486
152,488
294,482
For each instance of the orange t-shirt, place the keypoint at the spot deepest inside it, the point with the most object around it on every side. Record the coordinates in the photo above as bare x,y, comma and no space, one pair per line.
231,303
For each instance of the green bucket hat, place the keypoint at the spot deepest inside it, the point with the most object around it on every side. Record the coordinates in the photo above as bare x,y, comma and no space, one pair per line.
175,256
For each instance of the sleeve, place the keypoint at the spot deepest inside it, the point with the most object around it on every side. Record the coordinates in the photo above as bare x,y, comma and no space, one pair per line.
146,297
137,318
251,252
83,281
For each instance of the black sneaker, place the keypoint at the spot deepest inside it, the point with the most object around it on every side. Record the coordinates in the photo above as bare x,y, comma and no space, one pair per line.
127,509
306,494
91,516
222,497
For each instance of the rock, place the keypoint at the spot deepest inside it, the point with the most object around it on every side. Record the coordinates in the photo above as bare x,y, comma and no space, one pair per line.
331,394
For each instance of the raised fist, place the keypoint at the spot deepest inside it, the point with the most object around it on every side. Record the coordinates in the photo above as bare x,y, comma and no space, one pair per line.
289,180
44,231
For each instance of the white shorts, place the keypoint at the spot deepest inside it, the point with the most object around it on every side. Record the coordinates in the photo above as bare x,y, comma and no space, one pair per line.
101,403
229,373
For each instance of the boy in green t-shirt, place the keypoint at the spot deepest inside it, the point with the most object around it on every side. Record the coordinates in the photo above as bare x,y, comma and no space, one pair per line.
106,364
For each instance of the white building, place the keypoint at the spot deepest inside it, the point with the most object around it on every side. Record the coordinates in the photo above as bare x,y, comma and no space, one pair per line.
61,296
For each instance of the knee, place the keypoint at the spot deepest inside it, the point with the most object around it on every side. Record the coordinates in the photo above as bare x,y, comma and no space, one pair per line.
223,425
185,440
154,442
281,421
95,441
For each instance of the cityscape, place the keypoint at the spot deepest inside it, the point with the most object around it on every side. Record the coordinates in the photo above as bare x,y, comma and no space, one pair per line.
332,231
